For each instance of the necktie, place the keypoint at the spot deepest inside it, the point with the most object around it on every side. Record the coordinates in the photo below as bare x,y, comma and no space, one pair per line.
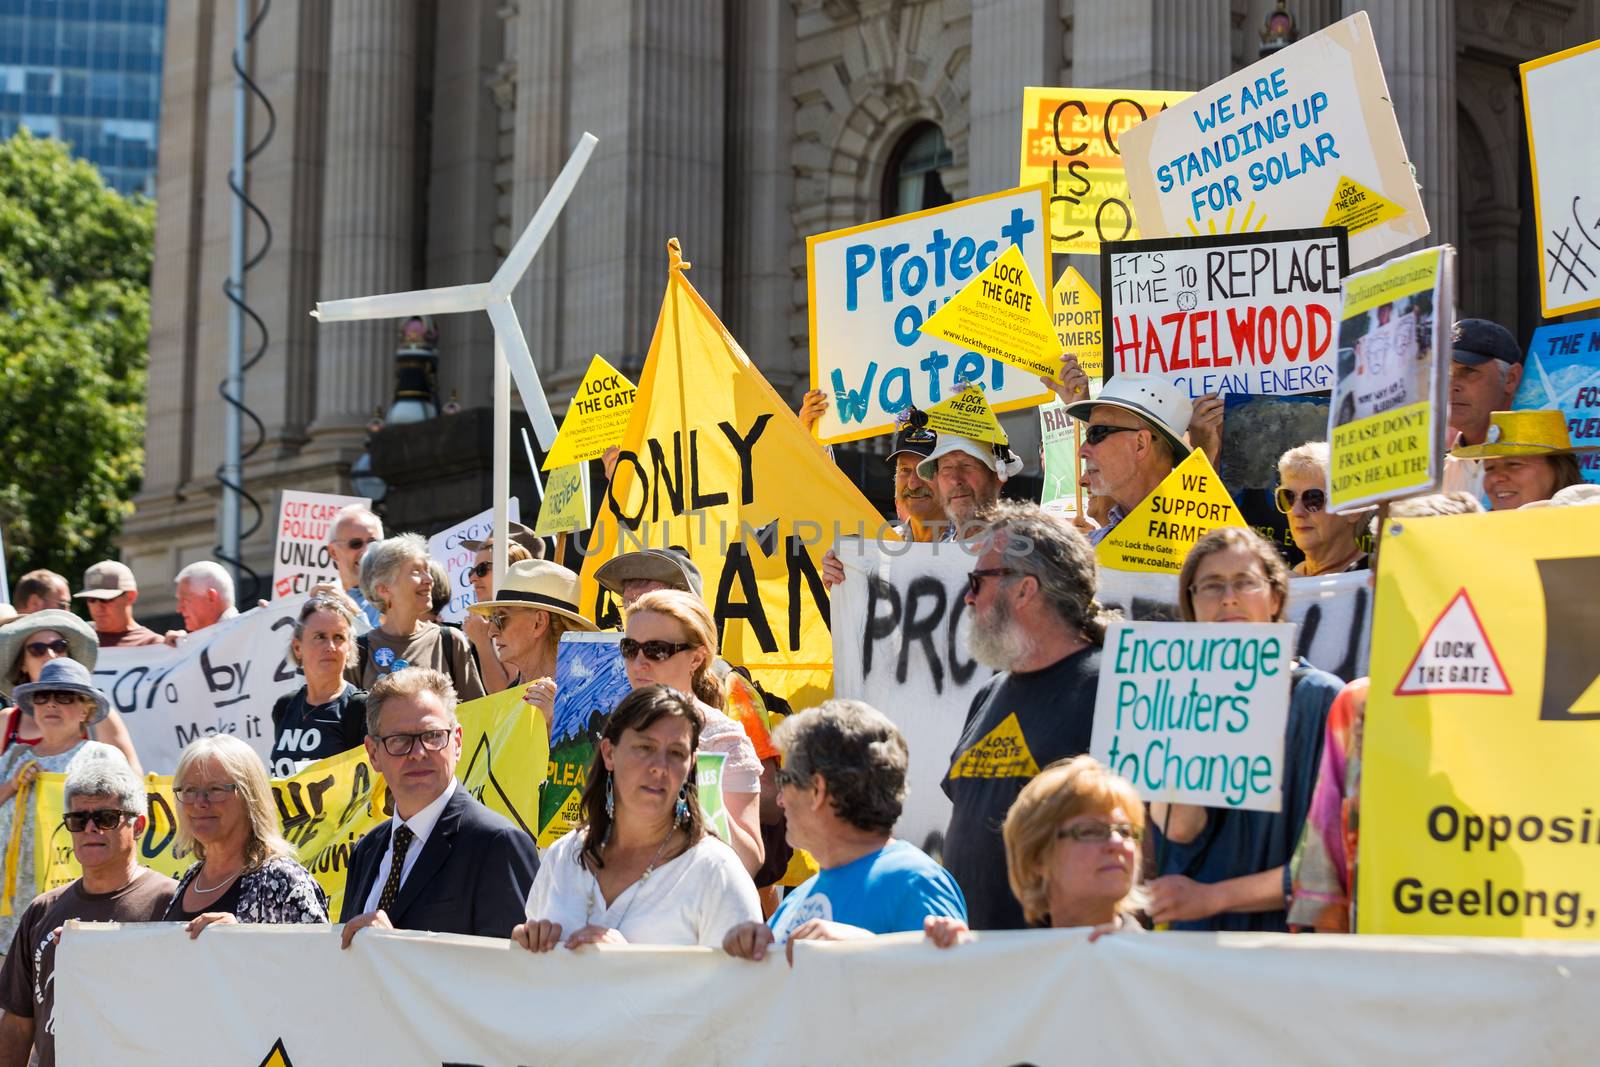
391,888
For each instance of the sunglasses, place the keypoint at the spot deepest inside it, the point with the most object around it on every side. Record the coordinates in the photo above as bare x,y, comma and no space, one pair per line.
64,698
356,544
1097,433
41,648
654,651
105,818
402,744
482,570
1098,833
975,579
790,776
1313,499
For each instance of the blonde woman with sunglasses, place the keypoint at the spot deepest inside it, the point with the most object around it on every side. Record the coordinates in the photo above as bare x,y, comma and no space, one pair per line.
1330,542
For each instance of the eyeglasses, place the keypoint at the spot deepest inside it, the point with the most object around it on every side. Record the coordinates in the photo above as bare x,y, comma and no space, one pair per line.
41,648
1097,433
1313,499
402,744
1098,833
211,794
975,579
483,569
355,544
65,698
654,651
1217,588
105,818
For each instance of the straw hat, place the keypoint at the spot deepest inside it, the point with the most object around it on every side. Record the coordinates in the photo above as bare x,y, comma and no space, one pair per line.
64,675
537,583
1524,433
82,644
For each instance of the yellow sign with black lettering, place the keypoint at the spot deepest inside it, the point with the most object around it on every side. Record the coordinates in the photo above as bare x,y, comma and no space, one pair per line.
1078,324
1157,535
1002,314
565,508
967,414
595,419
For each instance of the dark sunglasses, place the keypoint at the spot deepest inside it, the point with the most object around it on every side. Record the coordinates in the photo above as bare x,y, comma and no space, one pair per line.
1099,432
1313,499
482,570
61,697
356,544
975,579
39,648
105,818
654,651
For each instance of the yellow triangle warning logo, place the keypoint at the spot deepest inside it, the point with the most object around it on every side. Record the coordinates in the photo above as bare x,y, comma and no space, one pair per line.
597,417
1356,207
278,1056
1455,656
967,414
1157,535
1003,753
1002,314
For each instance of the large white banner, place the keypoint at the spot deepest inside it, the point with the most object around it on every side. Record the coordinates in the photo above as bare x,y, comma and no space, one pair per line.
147,996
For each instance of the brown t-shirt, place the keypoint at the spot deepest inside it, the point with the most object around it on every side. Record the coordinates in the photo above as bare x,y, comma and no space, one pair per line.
130,638
444,648
27,981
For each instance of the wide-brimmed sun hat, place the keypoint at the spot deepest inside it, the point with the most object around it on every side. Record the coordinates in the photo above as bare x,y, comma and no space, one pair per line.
537,583
82,644
1524,433
64,675
1158,402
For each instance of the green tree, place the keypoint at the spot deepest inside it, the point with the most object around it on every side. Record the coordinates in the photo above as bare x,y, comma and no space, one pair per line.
74,323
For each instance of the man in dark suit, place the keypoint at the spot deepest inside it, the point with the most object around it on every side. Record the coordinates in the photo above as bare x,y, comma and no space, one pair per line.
444,862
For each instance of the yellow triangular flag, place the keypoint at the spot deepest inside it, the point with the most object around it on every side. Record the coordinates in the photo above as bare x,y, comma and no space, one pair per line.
715,462
566,502
596,418
1157,535
1002,753
1077,316
1356,207
967,414
1001,314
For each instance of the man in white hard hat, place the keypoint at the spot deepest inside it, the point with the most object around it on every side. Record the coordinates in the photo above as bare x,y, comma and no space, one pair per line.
1132,439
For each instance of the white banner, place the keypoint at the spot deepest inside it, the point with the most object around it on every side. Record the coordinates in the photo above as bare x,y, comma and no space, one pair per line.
446,548
305,524
222,680
147,996
1557,95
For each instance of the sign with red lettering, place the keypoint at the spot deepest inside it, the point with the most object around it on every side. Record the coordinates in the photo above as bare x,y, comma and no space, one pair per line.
305,525
1254,313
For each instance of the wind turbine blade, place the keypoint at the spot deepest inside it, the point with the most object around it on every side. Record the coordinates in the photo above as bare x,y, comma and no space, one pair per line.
510,273
473,297
508,331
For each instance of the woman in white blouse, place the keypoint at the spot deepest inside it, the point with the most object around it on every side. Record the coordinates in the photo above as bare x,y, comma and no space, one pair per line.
641,867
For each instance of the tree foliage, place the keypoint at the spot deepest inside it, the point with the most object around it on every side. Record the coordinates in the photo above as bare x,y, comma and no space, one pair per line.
74,323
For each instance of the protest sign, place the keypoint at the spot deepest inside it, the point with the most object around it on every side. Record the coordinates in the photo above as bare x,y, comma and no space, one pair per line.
1483,728
305,526
1386,423
1558,103
1002,314
900,643
967,414
1305,137
1060,442
1195,713
590,682
1157,535
1078,324
446,547
715,462
565,508
1562,373
870,288
1235,313
596,417
1070,142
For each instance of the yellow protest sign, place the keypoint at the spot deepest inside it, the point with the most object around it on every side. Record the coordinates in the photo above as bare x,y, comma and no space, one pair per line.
1355,207
565,507
1001,314
1157,535
1077,318
967,414
1482,728
715,462
596,417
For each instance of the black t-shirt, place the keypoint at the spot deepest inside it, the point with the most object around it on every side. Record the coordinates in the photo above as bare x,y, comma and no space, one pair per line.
1018,725
304,733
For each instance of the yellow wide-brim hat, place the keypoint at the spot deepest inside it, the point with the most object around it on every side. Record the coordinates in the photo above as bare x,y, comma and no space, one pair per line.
1524,433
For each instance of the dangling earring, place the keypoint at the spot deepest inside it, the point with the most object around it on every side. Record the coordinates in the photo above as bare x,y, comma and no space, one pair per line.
611,802
682,810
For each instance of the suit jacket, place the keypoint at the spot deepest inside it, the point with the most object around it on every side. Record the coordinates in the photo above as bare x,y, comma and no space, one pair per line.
471,877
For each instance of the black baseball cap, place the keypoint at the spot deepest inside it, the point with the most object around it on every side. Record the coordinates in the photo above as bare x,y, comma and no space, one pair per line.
911,434
1475,341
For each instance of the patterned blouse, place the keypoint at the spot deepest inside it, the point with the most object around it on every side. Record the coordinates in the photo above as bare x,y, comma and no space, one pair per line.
279,891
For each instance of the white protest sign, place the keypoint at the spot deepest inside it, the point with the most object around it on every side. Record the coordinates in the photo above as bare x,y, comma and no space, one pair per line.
870,288
1253,313
305,523
1195,713
1558,101
221,680
456,559
900,644
1305,137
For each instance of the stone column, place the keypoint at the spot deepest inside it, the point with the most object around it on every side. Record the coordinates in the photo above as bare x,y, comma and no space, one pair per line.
370,227
1151,44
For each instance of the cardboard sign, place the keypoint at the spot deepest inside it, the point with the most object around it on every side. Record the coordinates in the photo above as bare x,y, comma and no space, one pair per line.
590,682
565,508
1558,104
596,418
1562,373
1237,313
305,525
967,414
1157,535
456,559
1305,137
1070,141
870,288
1078,324
1060,446
1002,314
1482,728
1386,423
1195,713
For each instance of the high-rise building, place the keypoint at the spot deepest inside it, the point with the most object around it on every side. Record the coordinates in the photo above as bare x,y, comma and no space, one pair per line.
89,73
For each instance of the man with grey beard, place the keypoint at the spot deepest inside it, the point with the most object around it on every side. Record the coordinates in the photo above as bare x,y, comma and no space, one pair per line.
1035,620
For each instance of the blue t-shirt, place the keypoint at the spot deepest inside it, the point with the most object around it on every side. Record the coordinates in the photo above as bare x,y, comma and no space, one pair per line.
373,614
887,891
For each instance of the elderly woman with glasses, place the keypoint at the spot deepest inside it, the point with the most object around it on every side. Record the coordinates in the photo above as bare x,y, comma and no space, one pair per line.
1330,542
395,579
26,645
537,602
64,703
247,872
327,715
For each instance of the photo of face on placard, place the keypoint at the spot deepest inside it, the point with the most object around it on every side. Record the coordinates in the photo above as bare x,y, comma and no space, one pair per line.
1388,350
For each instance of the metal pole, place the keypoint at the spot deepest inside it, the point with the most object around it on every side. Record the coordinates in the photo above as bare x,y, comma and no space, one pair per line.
502,459
233,426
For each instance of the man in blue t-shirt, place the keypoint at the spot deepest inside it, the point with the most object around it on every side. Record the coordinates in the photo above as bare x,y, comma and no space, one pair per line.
842,786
